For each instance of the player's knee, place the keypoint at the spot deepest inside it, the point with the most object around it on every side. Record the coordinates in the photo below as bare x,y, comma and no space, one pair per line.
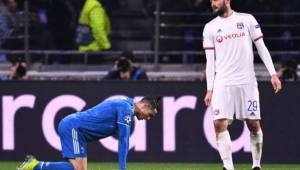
253,126
220,125
77,166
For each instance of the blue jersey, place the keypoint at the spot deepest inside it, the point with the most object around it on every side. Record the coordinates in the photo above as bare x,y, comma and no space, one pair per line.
106,119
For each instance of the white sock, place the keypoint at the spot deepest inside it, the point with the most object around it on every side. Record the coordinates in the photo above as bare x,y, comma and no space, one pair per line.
256,140
224,147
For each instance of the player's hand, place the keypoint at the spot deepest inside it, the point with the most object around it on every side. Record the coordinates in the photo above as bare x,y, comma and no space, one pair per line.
207,98
276,83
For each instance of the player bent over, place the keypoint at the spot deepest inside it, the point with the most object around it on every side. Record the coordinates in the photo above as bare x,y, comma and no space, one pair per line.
103,120
231,82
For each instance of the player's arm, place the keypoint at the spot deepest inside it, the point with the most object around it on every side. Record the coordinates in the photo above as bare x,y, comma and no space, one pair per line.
124,133
210,69
263,52
124,124
266,58
208,46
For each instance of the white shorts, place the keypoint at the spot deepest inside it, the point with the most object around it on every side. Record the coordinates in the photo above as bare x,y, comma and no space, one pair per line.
239,100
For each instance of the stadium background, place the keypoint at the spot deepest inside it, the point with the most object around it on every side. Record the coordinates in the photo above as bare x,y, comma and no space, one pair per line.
165,37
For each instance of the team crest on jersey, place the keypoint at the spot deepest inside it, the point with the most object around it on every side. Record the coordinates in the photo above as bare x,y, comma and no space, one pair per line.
219,30
127,119
240,25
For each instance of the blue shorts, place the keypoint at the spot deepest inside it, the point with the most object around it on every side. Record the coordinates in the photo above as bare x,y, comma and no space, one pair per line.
73,142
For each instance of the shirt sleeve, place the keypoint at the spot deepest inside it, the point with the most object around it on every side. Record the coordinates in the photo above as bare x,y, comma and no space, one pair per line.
124,133
265,56
254,29
124,115
209,47
208,40
210,68
124,124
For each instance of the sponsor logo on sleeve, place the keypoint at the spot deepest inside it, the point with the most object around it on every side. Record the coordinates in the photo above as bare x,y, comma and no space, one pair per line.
127,119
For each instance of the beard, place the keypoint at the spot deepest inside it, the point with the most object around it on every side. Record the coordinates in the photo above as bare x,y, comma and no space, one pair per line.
221,11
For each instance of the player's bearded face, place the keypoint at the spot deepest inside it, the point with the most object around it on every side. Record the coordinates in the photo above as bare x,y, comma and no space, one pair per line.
219,7
145,113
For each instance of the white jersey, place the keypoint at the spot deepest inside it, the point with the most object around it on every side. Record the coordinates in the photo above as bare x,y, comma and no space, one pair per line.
231,38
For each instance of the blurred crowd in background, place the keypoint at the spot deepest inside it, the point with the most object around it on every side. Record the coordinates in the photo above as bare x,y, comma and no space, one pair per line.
65,25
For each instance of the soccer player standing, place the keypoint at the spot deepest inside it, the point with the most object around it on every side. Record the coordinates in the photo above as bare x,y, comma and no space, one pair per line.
231,82
103,120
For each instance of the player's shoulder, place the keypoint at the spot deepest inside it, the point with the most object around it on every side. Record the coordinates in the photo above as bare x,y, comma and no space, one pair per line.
244,15
211,22
209,25
125,103
126,111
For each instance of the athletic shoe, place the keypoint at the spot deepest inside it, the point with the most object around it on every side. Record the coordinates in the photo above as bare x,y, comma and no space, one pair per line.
29,163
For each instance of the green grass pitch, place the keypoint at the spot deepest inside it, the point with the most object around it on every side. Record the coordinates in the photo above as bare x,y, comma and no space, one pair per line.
167,166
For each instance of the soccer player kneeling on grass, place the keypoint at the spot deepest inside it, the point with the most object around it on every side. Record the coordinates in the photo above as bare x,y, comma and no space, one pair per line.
231,83
101,121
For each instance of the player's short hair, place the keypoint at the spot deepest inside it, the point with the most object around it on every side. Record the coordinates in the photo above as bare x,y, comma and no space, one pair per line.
153,102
